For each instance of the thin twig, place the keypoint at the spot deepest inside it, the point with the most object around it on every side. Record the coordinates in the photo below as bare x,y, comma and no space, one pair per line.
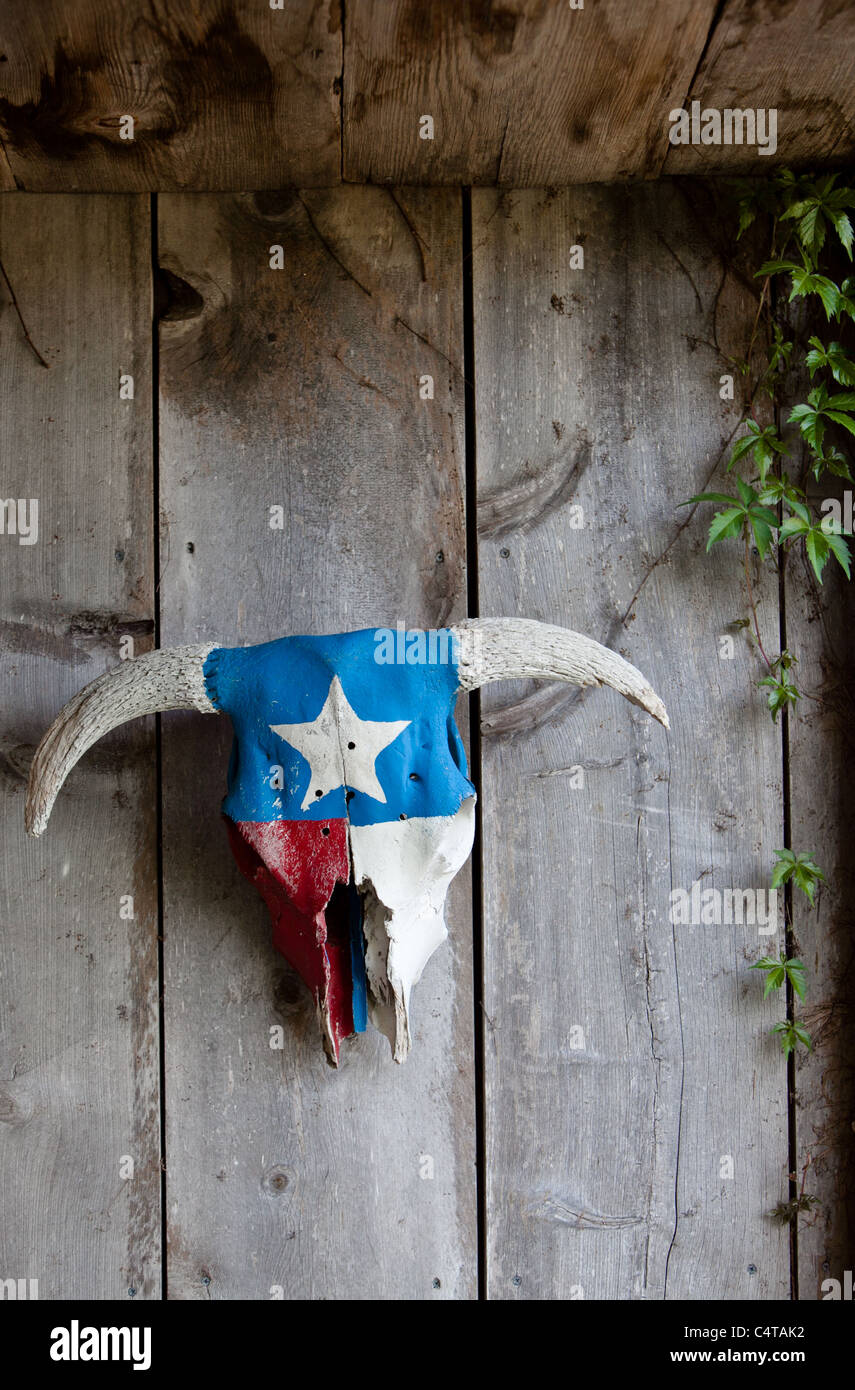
16,306
752,605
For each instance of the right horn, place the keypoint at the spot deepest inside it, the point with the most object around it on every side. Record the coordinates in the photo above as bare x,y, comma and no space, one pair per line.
499,649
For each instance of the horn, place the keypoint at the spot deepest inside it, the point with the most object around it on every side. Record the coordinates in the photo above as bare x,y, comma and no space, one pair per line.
500,649
161,680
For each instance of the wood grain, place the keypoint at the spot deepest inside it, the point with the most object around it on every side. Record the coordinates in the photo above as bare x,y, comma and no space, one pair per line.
530,93
299,388
79,1063
797,57
819,631
606,1147
228,95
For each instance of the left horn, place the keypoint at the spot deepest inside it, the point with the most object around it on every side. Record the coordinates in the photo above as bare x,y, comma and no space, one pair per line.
502,649
161,680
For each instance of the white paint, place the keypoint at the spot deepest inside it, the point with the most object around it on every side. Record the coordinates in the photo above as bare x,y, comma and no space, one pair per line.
404,869
340,748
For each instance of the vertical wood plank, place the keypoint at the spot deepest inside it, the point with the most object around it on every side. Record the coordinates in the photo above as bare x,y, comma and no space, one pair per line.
819,632
626,1057
299,388
79,1056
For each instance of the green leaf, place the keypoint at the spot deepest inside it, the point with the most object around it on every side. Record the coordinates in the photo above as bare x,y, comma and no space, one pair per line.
799,508
746,493
791,1033
762,534
841,418
812,417
708,497
782,692
801,868
833,358
776,268
796,976
778,971
845,300
831,460
817,547
764,514
726,524
793,526
820,208
840,550
843,227
807,282
782,489
741,448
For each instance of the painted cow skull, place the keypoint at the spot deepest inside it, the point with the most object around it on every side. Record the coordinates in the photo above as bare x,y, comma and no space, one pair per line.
348,803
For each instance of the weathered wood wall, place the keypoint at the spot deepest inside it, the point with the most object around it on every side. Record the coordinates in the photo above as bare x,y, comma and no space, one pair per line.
237,94
79,1070
300,388
624,1059
606,1147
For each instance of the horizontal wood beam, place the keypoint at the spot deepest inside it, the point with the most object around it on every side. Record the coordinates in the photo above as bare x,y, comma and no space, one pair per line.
131,95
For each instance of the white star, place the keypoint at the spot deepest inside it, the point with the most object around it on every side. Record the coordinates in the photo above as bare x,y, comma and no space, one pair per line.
340,748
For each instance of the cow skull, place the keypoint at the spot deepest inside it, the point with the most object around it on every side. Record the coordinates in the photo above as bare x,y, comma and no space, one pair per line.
348,804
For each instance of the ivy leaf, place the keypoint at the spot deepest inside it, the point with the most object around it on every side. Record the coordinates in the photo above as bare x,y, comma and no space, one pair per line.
845,300
783,489
801,868
839,549
821,540
821,208
805,281
744,511
764,444
784,661
782,692
833,461
778,971
776,268
834,358
840,418
753,198
779,353
812,418
791,1034
726,524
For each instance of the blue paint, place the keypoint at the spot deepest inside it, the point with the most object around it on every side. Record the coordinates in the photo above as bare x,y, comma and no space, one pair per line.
423,771
359,998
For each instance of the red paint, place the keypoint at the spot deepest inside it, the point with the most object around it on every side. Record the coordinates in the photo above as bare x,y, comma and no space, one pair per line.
296,867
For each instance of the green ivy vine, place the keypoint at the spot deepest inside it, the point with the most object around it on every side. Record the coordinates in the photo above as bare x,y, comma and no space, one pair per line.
809,230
